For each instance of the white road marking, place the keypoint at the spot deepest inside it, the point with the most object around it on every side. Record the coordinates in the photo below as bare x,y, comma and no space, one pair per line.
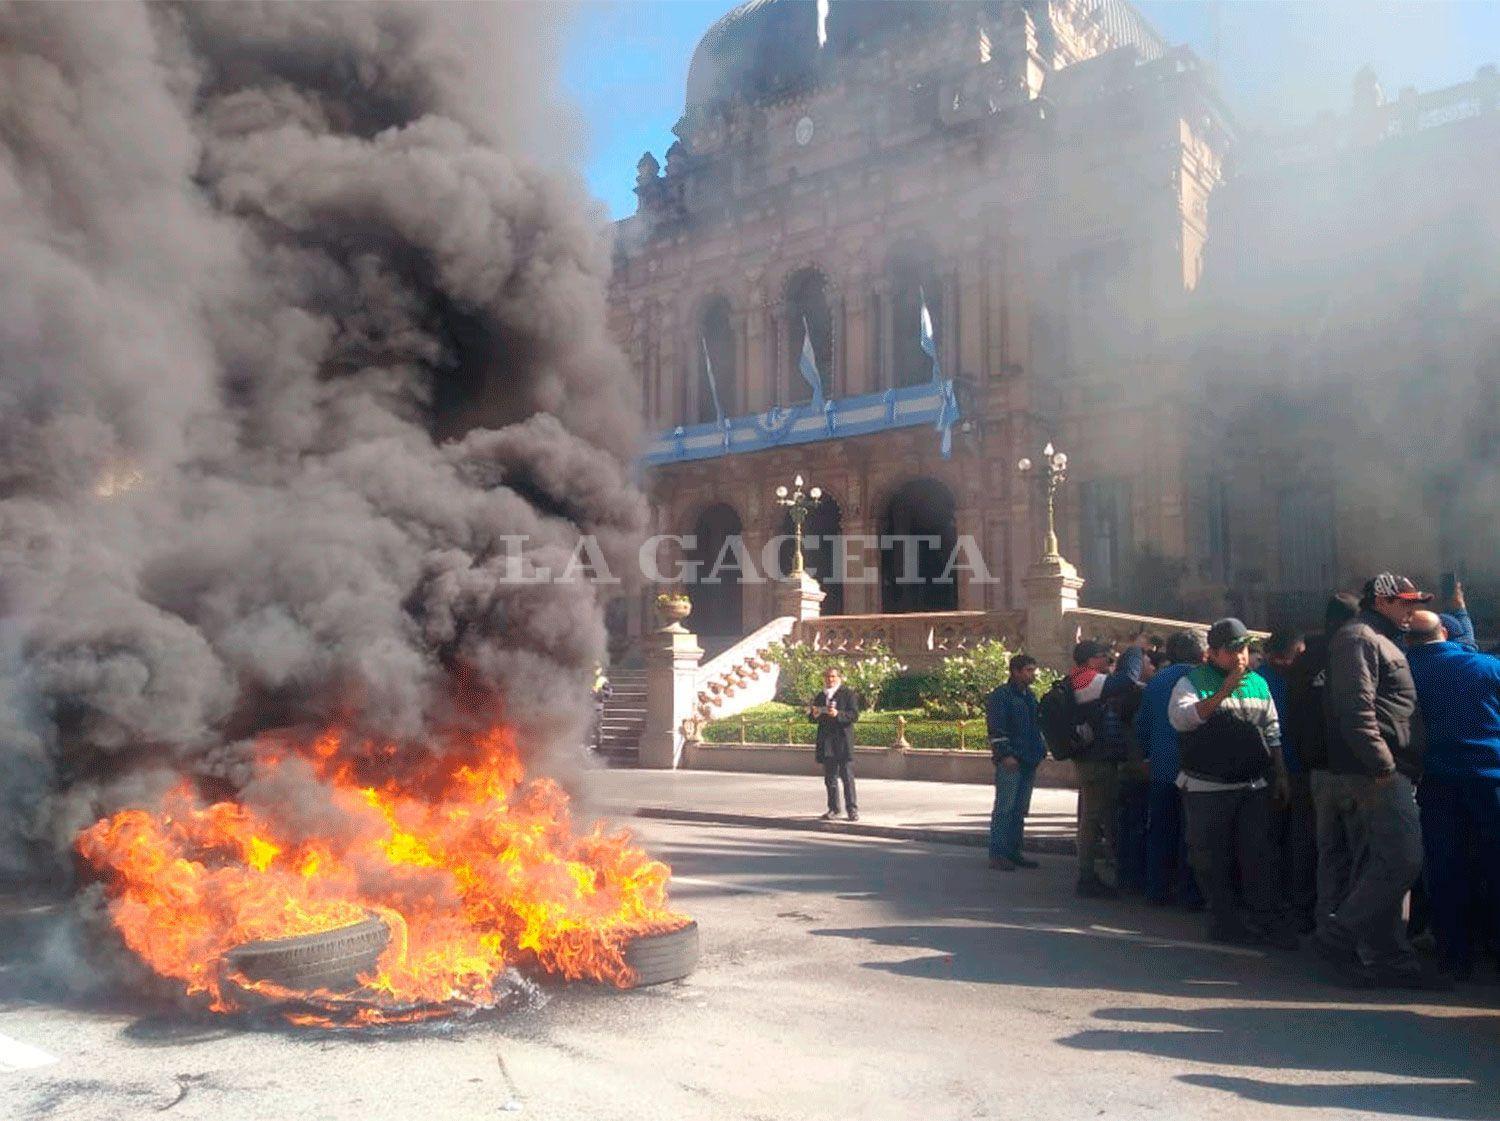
16,1056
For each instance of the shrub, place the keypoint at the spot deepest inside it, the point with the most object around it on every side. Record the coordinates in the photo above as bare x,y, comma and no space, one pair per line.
907,690
802,672
867,675
964,680
1044,679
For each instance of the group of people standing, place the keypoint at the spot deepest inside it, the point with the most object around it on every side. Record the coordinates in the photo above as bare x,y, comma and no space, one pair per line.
1302,788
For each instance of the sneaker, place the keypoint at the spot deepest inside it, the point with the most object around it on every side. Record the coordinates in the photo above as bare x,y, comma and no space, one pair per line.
1002,864
1025,862
831,815
853,815
1092,887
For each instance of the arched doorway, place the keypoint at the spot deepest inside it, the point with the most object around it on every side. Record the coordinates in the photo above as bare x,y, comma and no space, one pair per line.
911,569
717,595
826,524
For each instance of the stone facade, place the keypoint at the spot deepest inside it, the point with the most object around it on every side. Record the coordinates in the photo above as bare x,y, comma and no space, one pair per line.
1037,172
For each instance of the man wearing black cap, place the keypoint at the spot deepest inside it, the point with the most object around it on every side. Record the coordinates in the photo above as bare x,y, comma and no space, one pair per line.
1230,742
1374,761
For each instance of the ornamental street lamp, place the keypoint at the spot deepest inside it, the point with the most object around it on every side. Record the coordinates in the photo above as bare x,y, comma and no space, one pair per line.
1054,469
798,505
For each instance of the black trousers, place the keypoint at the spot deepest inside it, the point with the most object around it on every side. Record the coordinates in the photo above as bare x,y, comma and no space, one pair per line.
834,773
1229,830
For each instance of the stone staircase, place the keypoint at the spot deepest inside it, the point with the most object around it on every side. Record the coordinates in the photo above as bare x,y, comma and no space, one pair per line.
728,686
624,717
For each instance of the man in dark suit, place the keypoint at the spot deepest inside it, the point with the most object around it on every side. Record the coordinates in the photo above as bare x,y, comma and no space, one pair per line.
835,710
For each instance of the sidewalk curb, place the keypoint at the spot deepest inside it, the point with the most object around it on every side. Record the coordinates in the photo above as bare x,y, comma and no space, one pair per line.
1055,846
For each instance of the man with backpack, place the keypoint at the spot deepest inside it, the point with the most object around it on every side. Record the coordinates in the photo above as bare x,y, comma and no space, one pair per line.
1308,719
1230,745
1169,878
1073,724
1016,745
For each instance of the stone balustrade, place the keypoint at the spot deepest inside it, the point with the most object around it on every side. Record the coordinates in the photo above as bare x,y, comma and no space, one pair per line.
919,639
1120,626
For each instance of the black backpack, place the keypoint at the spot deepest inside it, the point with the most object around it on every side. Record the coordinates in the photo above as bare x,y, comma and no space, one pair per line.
1307,721
1059,719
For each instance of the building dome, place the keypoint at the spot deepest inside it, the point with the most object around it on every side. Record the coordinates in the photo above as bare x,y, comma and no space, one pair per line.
766,49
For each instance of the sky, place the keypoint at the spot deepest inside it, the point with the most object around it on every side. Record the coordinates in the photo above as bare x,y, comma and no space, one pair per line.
1281,62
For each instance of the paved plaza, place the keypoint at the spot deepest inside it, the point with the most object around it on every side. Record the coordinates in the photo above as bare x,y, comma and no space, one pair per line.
843,976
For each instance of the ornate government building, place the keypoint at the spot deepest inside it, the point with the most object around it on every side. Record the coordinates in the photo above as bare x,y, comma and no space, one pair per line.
1038,174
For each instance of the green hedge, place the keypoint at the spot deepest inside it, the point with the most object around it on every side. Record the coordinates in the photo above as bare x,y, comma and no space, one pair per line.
767,723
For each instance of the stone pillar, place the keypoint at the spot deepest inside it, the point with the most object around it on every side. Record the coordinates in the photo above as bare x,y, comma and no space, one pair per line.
672,657
799,596
1052,586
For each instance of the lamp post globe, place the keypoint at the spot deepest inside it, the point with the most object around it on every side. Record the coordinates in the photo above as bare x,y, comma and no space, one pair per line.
1053,470
798,505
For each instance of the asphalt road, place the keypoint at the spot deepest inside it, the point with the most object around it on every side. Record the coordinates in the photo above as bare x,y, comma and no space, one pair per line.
841,978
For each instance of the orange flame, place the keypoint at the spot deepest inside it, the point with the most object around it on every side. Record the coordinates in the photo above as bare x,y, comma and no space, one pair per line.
472,868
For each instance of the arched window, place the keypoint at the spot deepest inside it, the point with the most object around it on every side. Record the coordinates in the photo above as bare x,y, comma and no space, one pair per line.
913,278
716,336
715,586
807,303
919,532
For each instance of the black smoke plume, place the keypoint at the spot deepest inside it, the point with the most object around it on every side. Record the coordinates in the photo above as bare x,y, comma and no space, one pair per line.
291,336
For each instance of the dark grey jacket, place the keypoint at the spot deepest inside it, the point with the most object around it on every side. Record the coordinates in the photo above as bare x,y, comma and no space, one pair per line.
1372,701
836,733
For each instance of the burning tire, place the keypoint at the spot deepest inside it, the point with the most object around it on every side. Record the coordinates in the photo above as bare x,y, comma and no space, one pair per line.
331,960
663,957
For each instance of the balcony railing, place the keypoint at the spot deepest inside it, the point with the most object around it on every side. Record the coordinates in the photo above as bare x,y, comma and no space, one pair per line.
933,403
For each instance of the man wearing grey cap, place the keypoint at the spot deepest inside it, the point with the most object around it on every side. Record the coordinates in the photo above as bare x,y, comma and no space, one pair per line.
1374,761
1230,741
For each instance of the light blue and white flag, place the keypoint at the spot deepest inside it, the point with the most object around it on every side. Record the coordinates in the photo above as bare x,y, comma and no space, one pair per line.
928,343
808,365
949,411
713,389
822,24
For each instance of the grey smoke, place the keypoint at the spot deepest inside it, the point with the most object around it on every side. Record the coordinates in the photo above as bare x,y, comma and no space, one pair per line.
286,279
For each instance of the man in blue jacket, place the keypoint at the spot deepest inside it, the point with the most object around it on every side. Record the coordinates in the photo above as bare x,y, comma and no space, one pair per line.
1458,691
1169,878
1017,747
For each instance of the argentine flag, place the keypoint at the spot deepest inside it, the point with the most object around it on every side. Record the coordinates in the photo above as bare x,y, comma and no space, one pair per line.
925,339
808,365
713,389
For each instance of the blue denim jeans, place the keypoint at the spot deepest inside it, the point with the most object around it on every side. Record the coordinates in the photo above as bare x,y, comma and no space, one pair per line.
1169,876
1461,839
1130,867
1012,804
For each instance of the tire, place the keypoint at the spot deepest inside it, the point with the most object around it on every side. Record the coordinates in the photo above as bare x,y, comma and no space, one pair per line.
330,960
656,958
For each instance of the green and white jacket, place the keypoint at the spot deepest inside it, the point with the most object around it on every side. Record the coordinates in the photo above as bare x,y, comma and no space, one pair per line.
1249,704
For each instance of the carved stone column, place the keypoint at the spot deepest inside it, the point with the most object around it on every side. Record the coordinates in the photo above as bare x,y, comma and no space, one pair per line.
1052,587
672,657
